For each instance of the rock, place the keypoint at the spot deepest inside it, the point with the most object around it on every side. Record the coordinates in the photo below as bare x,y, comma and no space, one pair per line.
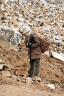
14,77
24,1
6,73
2,7
36,79
51,86
3,1
1,61
11,36
3,66
18,79
44,2
46,16
58,56
28,80
63,25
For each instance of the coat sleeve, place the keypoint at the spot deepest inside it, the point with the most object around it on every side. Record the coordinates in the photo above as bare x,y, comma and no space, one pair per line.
36,44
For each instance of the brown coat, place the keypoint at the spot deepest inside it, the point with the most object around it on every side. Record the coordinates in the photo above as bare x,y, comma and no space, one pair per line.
35,51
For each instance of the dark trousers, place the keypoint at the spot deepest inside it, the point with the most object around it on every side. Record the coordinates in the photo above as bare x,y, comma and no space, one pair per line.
34,67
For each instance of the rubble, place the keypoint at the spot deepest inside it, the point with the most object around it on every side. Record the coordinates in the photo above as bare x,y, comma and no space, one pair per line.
46,18
1,61
51,86
27,20
3,1
3,66
2,7
6,73
28,80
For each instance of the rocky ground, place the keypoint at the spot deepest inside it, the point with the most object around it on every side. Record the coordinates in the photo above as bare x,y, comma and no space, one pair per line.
46,19
22,90
13,76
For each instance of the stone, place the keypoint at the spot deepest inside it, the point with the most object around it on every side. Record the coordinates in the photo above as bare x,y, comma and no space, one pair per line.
63,25
2,7
36,79
28,80
6,73
44,2
3,1
57,56
1,61
14,77
51,86
10,35
3,66
31,16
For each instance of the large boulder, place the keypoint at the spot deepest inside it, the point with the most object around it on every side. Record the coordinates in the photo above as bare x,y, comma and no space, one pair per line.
10,37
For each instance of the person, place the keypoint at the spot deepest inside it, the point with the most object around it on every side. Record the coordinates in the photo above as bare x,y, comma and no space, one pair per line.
34,51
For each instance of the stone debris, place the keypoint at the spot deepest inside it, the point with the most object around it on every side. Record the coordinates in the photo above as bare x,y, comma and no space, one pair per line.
2,7
3,1
6,73
10,35
44,2
57,56
28,80
15,77
46,18
1,61
51,86
3,66
49,21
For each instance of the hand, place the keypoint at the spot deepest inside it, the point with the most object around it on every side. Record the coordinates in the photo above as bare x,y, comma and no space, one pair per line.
30,44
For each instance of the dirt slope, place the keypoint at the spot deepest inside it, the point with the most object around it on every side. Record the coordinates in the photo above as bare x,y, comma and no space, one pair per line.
51,70
23,90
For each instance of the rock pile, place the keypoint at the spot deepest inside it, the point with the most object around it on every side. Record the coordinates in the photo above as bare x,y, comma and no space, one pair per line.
45,17
33,15
14,61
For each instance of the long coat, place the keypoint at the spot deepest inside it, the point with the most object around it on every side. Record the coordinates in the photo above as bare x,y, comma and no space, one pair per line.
34,49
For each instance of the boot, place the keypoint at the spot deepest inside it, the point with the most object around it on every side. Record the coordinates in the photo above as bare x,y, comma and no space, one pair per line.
36,78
